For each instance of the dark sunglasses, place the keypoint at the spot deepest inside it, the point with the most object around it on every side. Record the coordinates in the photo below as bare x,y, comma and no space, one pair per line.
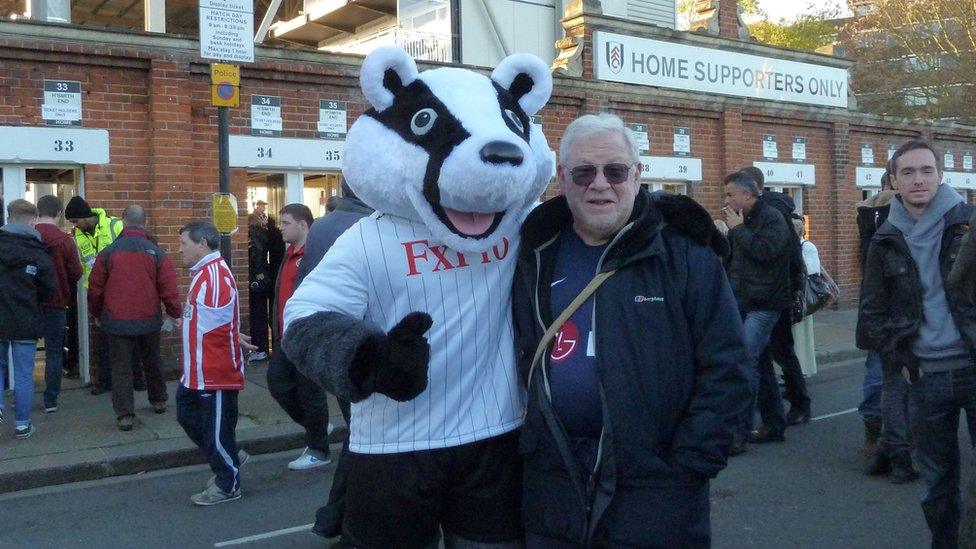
585,174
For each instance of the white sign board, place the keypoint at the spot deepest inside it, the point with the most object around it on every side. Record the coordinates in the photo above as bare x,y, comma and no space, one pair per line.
25,144
867,154
266,115
227,30
682,141
332,119
285,153
633,60
799,149
868,177
643,140
779,172
891,151
769,146
62,103
949,161
671,168
960,180
967,160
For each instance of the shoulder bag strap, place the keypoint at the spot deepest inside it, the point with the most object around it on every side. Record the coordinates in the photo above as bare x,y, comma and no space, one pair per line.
561,319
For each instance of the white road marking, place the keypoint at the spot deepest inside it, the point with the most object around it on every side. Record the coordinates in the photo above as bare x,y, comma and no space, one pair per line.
835,414
266,535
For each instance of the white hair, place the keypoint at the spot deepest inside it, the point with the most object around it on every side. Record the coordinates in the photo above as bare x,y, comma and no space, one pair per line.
589,125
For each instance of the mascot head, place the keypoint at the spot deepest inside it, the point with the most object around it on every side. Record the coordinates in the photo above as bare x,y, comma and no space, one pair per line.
449,147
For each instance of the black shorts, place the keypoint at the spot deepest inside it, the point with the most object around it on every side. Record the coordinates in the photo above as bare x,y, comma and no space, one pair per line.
402,500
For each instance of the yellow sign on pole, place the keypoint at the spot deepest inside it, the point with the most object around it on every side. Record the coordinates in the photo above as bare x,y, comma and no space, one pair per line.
225,87
224,207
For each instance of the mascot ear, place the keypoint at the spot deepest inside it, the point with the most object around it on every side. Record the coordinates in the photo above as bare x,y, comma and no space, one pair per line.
385,72
527,78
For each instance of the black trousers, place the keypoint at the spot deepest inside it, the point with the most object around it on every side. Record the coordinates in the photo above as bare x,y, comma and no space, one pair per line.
302,399
781,350
103,355
210,420
128,352
259,305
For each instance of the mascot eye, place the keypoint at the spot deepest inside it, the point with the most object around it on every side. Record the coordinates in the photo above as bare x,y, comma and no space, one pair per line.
423,121
515,120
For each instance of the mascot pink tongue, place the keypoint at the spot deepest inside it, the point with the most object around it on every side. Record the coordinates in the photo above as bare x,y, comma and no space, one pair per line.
470,223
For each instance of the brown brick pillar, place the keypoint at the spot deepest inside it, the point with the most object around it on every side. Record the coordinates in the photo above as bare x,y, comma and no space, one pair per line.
732,140
170,177
840,253
728,18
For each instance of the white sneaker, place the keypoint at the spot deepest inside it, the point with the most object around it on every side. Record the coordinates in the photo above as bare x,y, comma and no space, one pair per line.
307,461
258,356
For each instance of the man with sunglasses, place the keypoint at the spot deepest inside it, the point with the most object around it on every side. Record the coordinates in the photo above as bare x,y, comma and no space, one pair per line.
632,402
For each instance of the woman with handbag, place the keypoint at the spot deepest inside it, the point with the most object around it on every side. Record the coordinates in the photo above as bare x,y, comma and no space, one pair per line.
803,341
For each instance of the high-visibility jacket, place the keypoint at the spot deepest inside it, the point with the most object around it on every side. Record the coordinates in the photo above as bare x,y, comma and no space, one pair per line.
90,244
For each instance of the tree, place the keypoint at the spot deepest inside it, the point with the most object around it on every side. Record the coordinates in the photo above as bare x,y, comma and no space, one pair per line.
915,58
815,28
686,11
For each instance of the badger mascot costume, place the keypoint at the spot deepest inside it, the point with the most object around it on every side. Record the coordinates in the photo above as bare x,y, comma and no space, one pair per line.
408,316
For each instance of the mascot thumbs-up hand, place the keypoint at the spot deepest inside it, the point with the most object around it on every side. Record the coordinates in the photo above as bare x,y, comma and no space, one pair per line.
395,364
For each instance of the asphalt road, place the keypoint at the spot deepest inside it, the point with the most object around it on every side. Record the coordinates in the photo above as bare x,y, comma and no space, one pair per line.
806,492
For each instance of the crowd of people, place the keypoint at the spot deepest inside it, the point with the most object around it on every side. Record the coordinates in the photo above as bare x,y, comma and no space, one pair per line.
679,332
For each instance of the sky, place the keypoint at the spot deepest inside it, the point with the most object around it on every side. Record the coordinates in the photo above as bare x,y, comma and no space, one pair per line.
787,9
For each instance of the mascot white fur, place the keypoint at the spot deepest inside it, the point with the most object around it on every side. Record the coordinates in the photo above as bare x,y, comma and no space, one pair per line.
452,164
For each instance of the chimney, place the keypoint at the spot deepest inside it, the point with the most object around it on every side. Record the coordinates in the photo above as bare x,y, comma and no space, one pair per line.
729,24
55,11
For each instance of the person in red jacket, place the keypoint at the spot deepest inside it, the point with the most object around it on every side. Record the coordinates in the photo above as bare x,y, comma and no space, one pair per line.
213,362
129,280
54,317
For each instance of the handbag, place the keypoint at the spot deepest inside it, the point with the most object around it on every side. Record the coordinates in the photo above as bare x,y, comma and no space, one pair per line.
820,291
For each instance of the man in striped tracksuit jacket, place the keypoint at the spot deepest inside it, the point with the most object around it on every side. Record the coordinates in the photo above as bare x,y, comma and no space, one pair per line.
213,362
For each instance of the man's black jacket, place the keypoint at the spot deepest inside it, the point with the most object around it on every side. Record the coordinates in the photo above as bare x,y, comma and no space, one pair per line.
669,346
890,312
760,266
27,280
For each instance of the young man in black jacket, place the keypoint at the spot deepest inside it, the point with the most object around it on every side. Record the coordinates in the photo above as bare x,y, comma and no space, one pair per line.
760,275
920,330
27,279
632,404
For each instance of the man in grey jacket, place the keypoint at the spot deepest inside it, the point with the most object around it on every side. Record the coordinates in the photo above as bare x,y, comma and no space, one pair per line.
919,328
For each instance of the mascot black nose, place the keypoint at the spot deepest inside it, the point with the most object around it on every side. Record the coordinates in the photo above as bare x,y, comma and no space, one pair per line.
502,152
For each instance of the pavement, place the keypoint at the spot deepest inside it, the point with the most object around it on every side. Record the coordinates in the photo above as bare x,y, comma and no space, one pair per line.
80,442
807,492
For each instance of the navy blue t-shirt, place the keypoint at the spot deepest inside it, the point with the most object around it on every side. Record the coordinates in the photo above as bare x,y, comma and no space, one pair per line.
573,378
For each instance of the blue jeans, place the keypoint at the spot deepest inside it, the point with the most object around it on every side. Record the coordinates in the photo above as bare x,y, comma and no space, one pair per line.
896,413
23,355
938,399
870,407
757,325
54,320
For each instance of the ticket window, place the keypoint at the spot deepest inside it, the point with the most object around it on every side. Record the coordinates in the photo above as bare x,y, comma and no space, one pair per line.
317,190
60,182
267,187
793,191
868,192
676,187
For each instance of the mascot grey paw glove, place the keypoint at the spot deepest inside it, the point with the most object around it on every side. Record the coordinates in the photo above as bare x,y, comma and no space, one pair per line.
395,364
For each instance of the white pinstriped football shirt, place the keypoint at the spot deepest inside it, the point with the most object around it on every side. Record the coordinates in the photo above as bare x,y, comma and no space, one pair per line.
385,267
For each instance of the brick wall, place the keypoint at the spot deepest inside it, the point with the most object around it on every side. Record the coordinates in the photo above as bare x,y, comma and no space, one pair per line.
155,102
